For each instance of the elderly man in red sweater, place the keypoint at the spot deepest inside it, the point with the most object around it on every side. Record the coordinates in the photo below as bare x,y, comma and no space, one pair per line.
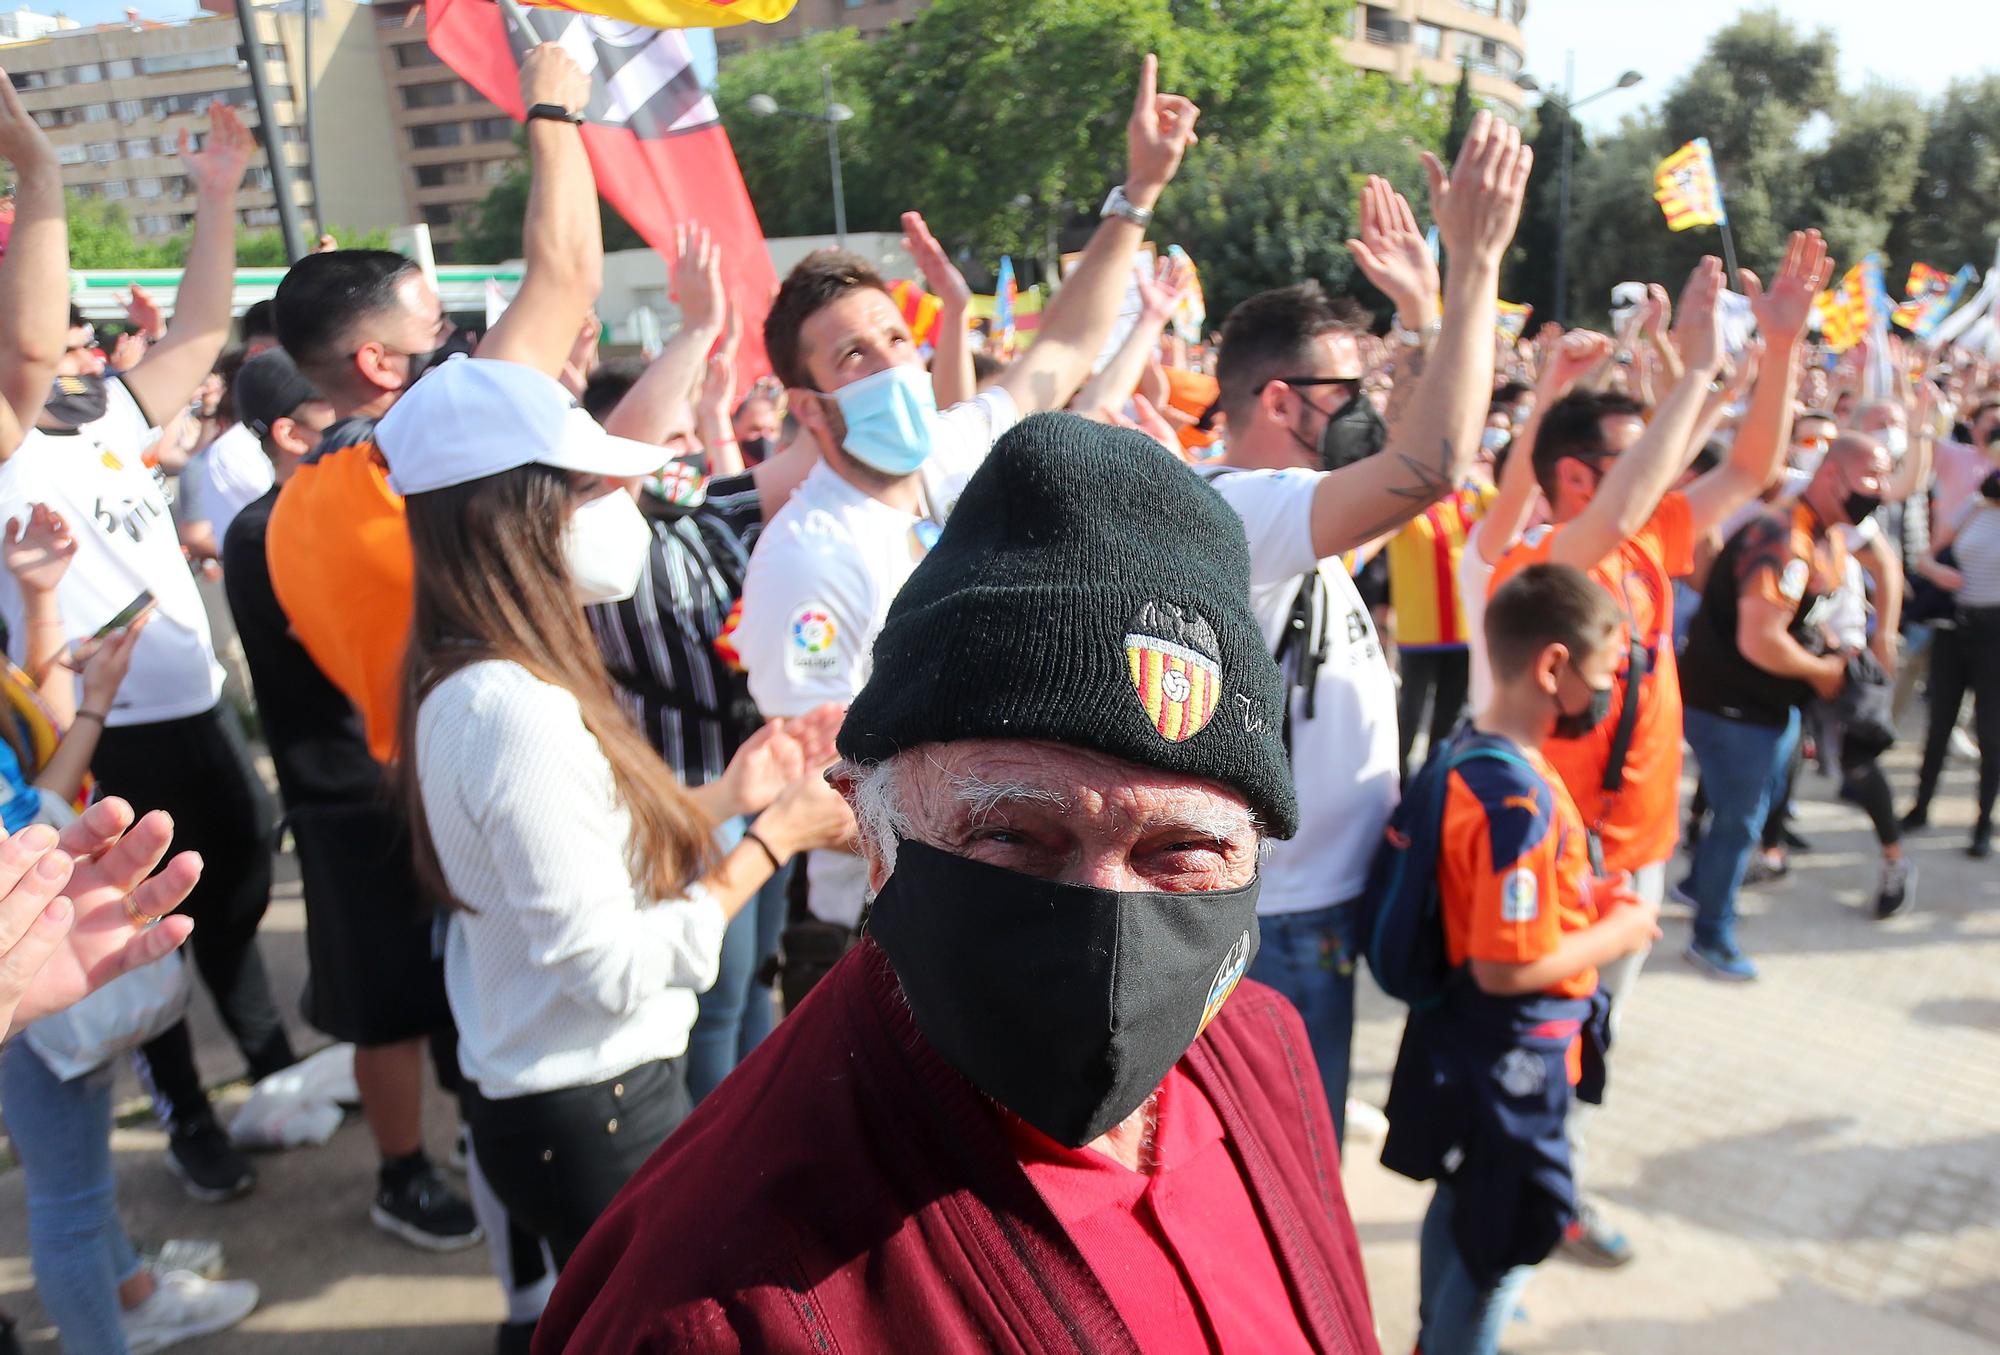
1037,1108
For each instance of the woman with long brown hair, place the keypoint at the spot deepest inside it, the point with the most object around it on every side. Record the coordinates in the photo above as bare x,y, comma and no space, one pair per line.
587,908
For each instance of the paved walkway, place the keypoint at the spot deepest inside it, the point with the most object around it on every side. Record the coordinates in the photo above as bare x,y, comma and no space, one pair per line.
1810,1163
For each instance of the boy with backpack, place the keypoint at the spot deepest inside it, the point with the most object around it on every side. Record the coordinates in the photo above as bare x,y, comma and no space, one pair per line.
1491,925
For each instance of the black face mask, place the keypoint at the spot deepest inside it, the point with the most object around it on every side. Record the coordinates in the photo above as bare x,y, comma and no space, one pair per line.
1858,506
457,342
1065,1003
1989,488
75,401
755,450
1574,724
1353,434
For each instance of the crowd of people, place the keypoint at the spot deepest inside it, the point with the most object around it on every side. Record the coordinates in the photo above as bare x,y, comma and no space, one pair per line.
990,714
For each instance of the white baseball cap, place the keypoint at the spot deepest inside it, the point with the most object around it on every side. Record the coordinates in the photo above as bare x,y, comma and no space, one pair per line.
475,417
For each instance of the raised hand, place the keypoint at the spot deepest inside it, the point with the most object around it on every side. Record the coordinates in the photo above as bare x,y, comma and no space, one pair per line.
1656,317
696,269
1782,312
1392,253
37,553
941,275
1160,293
126,352
22,141
1157,136
550,75
1699,333
1478,205
1571,358
717,400
218,167
53,956
143,313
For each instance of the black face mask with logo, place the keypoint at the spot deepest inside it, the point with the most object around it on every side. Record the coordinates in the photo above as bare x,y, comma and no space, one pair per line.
75,401
457,343
1065,1003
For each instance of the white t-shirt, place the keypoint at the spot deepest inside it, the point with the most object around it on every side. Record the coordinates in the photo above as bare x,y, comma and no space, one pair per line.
126,544
231,473
819,587
1344,755
1475,580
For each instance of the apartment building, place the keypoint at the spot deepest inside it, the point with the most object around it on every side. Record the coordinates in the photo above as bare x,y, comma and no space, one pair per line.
1432,40
872,17
452,144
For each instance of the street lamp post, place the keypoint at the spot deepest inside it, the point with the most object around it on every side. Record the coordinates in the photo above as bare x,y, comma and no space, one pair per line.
831,116
1569,107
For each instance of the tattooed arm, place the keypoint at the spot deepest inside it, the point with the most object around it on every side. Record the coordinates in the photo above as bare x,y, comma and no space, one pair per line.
1432,444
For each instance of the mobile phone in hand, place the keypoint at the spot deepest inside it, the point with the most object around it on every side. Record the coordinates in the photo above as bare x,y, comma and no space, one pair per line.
129,613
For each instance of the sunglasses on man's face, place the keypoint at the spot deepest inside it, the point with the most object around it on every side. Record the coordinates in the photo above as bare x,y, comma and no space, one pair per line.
1353,383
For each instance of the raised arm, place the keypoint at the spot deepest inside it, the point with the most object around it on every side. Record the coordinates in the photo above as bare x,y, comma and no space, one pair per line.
34,277
1433,445
1120,377
1642,475
1913,472
1575,355
660,400
166,379
562,239
1079,318
1393,254
1758,453
952,381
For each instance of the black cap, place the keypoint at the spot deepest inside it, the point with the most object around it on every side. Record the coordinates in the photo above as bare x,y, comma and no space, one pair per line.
1088,590
269,388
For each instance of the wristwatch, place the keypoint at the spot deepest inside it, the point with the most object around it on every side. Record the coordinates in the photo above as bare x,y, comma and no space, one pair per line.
1120,205
554,113
1415,338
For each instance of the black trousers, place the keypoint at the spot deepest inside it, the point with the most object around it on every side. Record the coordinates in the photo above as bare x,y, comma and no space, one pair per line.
1443,676
557,1159
1965,658
198,770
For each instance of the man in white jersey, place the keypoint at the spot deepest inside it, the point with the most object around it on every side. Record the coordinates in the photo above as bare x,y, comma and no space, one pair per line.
892,465
168,743
1310,474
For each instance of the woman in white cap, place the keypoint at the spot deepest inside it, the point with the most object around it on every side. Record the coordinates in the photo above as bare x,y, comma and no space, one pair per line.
586,906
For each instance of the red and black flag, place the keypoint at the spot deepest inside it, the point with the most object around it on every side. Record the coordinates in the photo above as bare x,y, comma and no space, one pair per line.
655,140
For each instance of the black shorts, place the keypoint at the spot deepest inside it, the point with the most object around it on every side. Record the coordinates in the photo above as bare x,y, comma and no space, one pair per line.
375,978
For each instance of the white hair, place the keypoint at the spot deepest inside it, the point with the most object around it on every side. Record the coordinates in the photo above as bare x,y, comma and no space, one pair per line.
883,818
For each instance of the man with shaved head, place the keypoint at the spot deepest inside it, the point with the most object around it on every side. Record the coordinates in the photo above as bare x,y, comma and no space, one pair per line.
1037,1107
1758,651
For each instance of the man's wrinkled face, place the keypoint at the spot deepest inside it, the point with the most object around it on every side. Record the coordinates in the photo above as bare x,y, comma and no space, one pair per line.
1058,812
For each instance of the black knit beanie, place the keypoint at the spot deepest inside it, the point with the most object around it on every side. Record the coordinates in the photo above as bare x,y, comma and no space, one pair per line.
1089,590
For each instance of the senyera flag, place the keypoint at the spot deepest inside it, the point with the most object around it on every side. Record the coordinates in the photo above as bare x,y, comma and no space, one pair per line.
655,140
680,13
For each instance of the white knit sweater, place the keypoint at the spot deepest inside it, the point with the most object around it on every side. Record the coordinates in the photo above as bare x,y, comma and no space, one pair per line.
565,973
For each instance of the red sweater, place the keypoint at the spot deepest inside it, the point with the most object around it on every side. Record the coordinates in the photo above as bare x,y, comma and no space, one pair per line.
845,1190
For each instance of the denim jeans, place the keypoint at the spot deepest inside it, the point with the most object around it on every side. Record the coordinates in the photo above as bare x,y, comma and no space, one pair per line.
62,1131
1454,1315
1309,957
735,1014
1742,768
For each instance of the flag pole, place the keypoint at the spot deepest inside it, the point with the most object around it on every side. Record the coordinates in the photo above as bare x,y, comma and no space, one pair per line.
1728,243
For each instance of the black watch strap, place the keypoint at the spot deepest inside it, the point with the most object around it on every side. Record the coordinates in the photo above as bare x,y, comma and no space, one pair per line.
554,113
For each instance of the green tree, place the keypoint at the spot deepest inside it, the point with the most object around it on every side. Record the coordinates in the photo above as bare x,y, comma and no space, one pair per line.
1004,119
784,158
1531,272
1462,109
493,232
1954,208
1865,176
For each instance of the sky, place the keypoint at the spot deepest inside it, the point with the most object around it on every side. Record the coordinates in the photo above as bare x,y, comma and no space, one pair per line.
1929,43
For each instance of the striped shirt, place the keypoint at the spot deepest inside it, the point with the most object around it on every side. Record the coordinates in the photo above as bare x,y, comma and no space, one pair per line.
660,644
1976,547
1423,570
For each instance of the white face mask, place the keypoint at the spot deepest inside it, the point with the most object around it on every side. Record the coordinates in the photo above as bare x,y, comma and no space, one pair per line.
605,545
1895,441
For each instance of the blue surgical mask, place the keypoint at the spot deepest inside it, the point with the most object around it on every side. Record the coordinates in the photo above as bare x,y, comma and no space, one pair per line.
892,419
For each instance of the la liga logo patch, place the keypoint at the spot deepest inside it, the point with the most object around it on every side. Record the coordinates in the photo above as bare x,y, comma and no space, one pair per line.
1175,664
1227,976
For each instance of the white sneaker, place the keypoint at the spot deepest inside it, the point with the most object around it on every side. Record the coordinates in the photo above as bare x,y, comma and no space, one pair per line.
1962,747
184,1305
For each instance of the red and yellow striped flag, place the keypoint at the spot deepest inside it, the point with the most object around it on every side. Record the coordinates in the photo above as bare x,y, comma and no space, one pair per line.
920,309
678,13
1846,312
1686,188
